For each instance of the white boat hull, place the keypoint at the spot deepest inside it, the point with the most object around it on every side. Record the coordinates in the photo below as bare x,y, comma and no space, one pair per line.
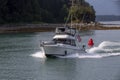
59,50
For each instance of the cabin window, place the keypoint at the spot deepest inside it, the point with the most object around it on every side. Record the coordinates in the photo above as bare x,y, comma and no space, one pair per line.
65,41
60,30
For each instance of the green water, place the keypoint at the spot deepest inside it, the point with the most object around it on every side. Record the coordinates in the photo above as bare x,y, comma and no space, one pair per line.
16,62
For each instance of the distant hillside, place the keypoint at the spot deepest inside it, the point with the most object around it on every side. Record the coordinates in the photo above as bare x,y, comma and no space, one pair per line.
41,11
107,18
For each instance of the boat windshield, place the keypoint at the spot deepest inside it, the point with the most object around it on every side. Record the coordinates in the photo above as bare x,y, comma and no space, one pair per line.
65,41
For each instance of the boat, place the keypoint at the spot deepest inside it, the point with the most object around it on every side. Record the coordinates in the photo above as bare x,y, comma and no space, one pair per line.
66,41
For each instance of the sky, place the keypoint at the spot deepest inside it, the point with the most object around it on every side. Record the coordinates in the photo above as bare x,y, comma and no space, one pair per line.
106,7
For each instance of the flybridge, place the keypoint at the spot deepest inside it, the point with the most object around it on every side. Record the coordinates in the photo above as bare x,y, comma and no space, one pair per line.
66,30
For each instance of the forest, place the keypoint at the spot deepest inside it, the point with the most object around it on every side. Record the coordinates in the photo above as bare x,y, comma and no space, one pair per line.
44,11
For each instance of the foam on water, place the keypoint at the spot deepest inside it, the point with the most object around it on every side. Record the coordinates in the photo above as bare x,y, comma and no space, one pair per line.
79,55
39,54
90,56
75,55
106,47
109,44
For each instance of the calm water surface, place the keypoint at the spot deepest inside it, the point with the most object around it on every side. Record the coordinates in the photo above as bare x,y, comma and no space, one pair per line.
21,59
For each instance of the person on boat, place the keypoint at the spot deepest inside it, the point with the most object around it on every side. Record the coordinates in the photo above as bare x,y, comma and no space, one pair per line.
90,42
83,47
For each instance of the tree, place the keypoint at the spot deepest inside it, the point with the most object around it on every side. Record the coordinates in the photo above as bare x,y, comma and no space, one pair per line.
82,13
47,11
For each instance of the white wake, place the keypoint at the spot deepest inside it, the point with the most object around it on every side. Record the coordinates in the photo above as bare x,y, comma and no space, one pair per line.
106,47
39,54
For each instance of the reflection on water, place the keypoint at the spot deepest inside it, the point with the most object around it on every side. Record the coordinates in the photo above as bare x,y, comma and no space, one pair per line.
87,33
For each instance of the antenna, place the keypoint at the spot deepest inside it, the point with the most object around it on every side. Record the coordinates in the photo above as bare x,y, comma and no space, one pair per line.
71,11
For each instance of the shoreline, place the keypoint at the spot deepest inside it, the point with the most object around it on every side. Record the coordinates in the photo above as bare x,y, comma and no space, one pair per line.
19,28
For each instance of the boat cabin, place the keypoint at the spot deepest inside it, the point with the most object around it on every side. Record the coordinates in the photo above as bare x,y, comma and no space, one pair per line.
64,39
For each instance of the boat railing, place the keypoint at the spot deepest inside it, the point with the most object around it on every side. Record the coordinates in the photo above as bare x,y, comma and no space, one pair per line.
66,33
42,43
